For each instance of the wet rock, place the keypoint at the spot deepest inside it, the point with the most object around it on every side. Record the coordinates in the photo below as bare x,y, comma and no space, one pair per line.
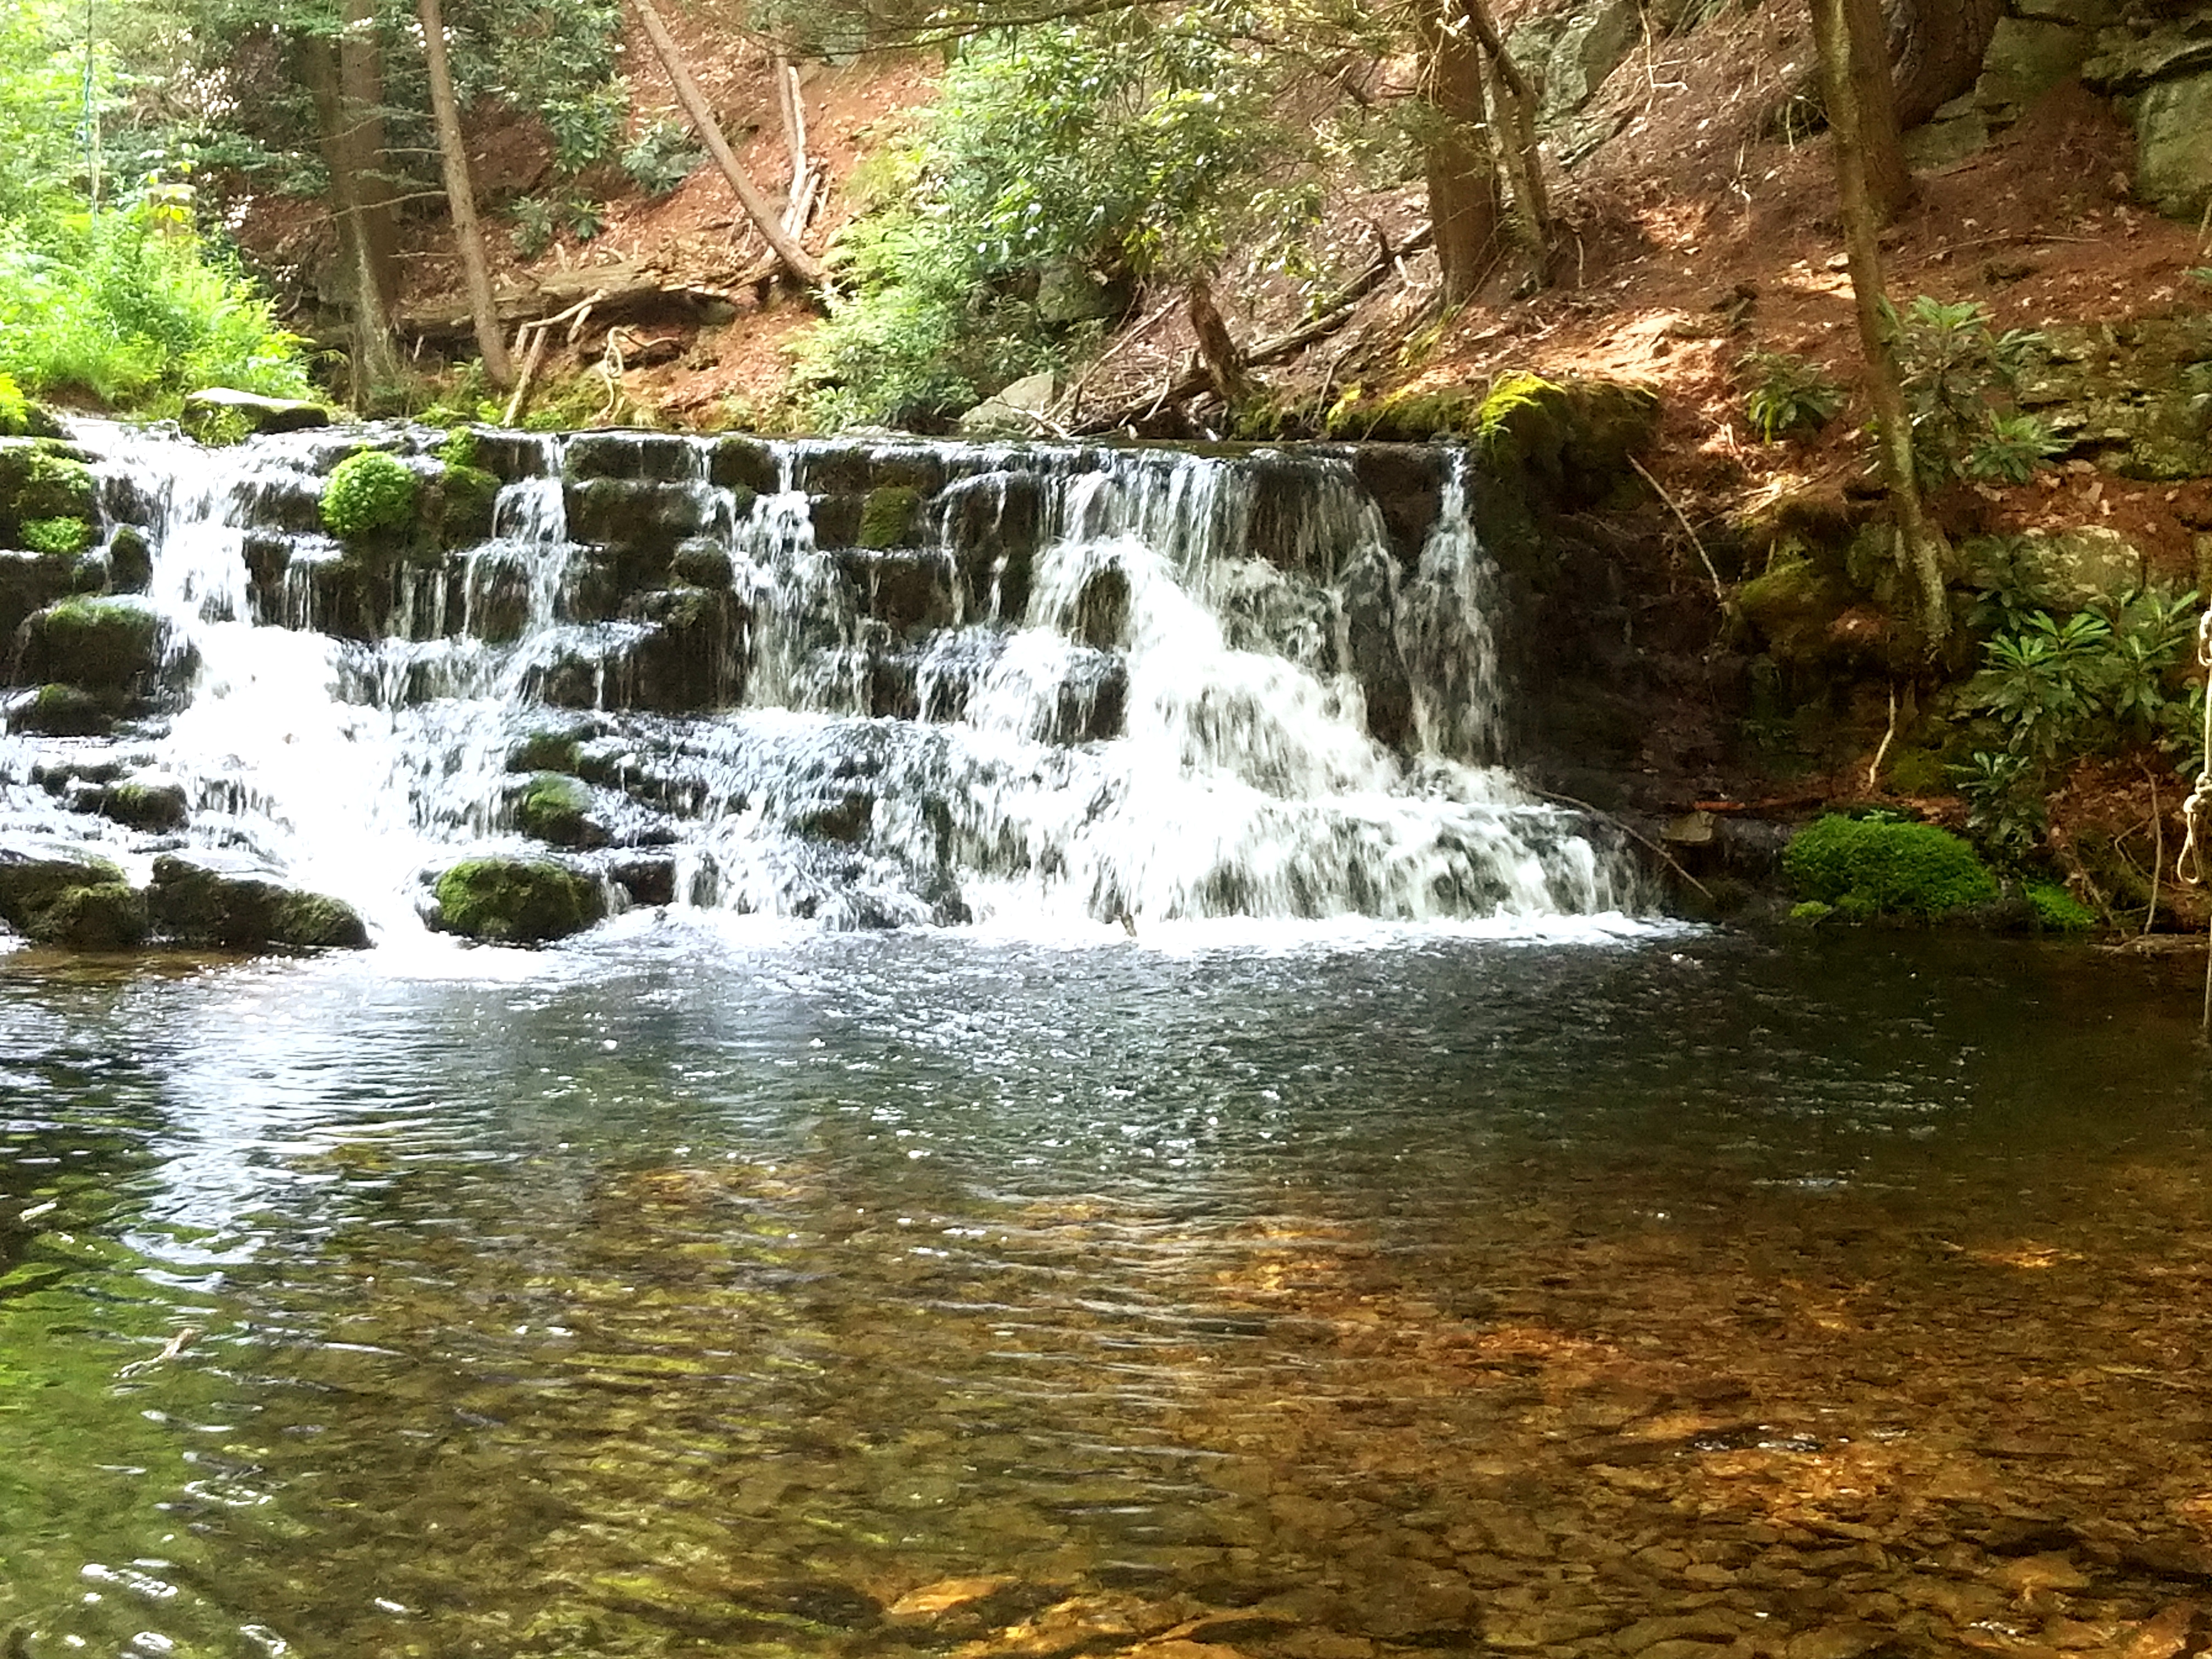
646,520
498,588
744,465
1018,410
702,561
649,881
35,873
509,455
203,897
107,916
514,901
692,659
129,560
145,800
1406,487
1367,591
224,415
994,523
657,456
66,711
1101,619
40,479
555,808
1838,1642
30,581
2030,1573
928,1603
117,645
837,520
890,516
910,593
550,750
458,506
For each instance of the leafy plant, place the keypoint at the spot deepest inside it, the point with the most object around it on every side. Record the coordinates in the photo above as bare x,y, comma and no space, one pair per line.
1959,375
661,157
1788,394
582,218
369,491
14,409
2005,812
584,125
535,222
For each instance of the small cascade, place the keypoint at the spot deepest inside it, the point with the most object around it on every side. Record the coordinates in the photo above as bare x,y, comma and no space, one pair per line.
872,683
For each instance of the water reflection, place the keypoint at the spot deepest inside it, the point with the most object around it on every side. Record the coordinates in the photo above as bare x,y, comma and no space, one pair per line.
870,1294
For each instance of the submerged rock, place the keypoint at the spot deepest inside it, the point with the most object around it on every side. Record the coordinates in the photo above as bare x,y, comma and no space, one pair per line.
219,899
512,900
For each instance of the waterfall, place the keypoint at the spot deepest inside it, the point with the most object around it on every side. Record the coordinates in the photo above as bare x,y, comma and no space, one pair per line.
868,682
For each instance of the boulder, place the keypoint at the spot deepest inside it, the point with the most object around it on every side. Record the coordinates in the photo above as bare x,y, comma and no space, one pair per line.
512,900
119,645
222,414
145,800
30,581
67,711
41,480
210,898
130,561
555,808
106,915
2174,138
1018,411
35,873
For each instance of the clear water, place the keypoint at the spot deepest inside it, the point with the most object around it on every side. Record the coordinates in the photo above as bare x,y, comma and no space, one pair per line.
704,1290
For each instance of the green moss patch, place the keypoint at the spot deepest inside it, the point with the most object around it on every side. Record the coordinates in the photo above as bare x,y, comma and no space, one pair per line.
368,493
98,644
555,808
506,900
2057,909
889,516
1867,867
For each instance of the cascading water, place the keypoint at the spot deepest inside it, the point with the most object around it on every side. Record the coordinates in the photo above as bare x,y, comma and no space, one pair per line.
871,682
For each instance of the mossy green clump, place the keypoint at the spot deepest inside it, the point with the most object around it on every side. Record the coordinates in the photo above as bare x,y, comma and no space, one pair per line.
459,449
553,807
32,881
1868,867
156,806
1811,912
2057,909
888,516
201,899
14,409
369,492
41,480
316,921
60,536
108,915
506,900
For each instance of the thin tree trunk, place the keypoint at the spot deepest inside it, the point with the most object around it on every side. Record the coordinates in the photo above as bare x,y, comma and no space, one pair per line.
796,259
1463,174
1922,552
1524,157
1217,347
1881,139
461,196
375,347
361,134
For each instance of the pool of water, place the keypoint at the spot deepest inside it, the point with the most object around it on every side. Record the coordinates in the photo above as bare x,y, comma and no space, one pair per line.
690,1290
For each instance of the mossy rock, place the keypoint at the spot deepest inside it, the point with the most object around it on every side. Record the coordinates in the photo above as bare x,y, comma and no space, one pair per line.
34,874
100,644
745,466
463,501
107,916
2056,909
129,560
890,516
208,898
702,561
39,480
510,900
546,752
370,500
1870,867
222,414
67,711
154,804
28,582
1793,609
555,808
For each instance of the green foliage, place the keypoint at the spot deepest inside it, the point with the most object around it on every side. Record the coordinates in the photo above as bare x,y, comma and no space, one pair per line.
1959,376
2057,909
132,307
56,536
516,900
661,157
460,448
584,125
1872,867
369,491
2005,812
14,409
535,221
1788,394
582,217
1132,146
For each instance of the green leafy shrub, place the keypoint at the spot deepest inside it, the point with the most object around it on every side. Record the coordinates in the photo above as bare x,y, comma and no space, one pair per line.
1873,868
582,217
14,409
1959,377
1788,394
369,491
535,221
56,536
661,157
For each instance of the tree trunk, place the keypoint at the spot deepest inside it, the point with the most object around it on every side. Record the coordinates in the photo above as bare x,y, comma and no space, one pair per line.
796,259
1463,174
361,95
1922,552
461,196
1217,347
375,347
1524,153
1881,140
